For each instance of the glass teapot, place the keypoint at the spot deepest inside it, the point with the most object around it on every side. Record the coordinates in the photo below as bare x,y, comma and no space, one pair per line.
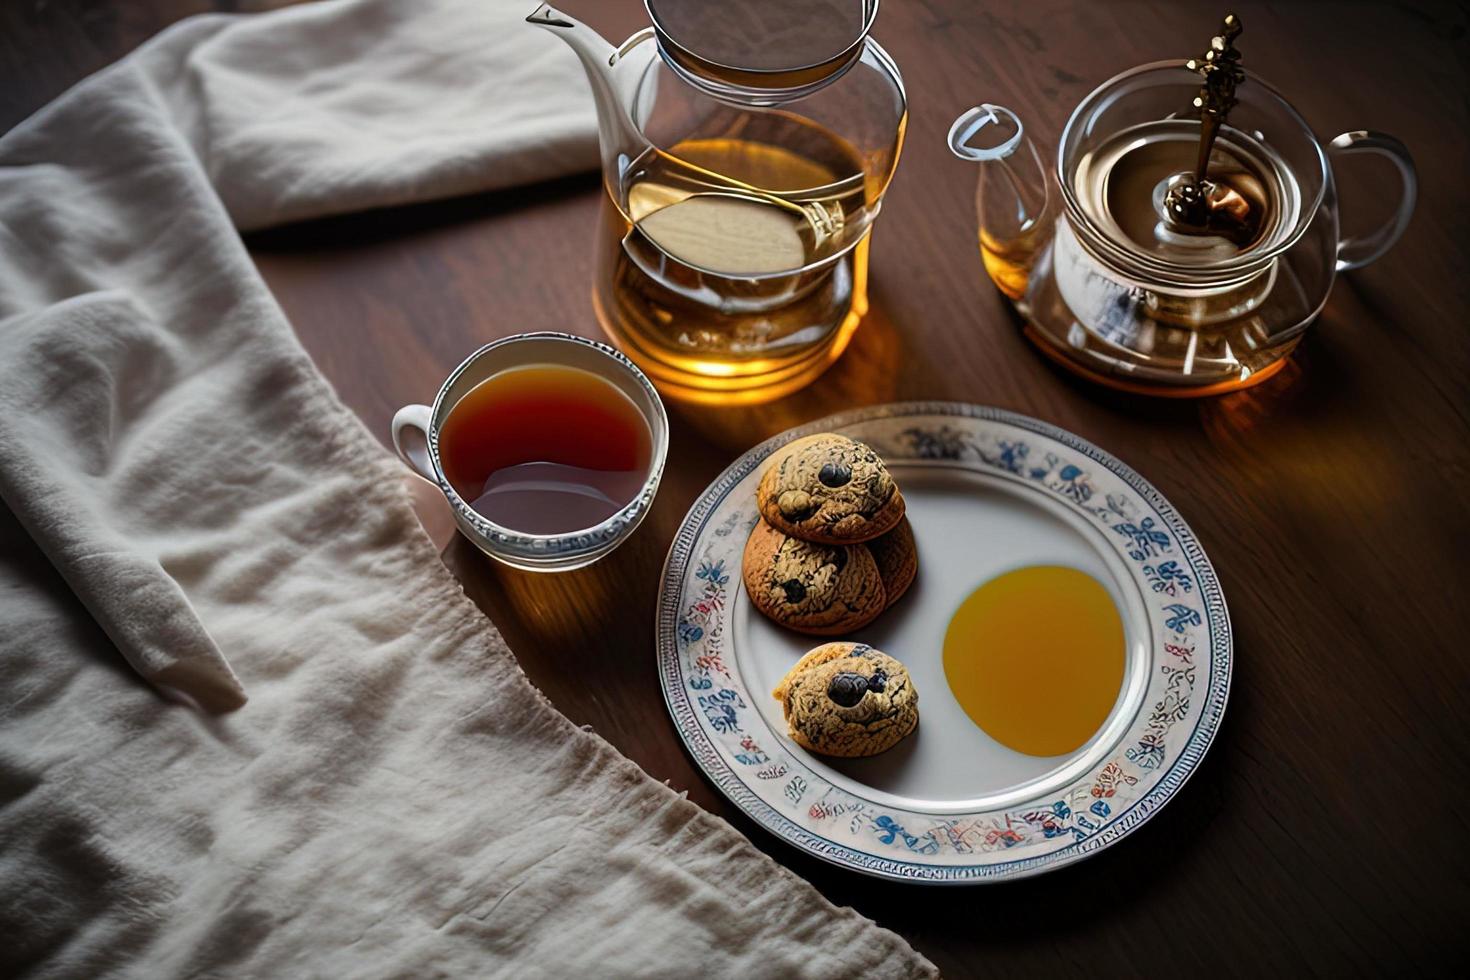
745,149
1109,291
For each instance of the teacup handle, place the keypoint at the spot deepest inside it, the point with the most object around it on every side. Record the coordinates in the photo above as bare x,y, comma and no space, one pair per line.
1359,250
415,418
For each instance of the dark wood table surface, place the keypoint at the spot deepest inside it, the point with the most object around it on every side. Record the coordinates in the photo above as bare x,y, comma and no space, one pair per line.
1327,829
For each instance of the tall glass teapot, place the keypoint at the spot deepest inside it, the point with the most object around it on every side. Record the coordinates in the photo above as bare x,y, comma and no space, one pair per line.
745,152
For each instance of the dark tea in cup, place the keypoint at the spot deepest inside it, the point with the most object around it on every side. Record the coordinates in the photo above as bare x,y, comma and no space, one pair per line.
545,449
548,447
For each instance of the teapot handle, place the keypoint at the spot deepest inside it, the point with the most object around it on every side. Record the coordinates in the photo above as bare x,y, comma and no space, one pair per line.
1358,250
416,419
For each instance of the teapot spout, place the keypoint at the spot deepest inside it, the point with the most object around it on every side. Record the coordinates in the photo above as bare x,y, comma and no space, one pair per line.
617,133
595,52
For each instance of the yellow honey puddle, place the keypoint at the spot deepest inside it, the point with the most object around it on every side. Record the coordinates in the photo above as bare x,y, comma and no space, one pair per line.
1035,657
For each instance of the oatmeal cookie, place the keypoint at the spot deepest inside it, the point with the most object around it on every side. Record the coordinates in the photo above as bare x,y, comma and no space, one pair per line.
897,557
831,489
849,700
813,588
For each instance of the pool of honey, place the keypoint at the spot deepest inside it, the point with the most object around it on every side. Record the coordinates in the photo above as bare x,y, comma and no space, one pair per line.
1035,657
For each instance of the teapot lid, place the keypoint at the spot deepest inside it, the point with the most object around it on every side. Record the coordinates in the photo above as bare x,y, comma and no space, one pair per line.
762,44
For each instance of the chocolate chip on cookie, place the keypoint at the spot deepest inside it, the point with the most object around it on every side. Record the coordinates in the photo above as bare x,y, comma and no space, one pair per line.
897,557
829,488
813,588
848,699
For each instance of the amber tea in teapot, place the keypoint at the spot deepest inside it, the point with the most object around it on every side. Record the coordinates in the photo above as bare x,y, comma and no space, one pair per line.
735,248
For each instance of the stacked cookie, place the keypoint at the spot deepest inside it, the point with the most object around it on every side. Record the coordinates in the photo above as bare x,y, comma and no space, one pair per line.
832,549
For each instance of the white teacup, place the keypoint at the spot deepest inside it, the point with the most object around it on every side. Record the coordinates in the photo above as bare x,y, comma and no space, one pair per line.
519,549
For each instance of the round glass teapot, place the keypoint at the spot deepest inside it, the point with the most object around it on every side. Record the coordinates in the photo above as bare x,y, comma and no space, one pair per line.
1110,289
745,152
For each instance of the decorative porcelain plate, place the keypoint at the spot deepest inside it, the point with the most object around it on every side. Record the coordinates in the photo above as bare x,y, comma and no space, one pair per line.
987,492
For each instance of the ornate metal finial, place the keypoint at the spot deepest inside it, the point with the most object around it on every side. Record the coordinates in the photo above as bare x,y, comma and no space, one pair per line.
1220,68
1194,203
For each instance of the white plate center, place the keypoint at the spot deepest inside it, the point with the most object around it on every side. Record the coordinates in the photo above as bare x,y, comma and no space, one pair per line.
970,527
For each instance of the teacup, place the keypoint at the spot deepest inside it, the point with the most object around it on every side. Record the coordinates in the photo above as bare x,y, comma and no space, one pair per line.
518,548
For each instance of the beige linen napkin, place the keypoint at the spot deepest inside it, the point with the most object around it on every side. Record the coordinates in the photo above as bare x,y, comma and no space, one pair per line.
372,788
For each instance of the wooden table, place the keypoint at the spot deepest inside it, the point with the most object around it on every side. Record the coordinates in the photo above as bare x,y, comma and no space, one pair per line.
1327,829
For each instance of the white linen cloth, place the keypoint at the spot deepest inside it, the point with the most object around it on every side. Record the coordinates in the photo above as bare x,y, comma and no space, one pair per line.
349,775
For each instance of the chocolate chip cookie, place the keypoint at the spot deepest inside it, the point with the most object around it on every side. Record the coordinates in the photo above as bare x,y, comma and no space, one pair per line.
897,557
849,700
829,488
816,588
